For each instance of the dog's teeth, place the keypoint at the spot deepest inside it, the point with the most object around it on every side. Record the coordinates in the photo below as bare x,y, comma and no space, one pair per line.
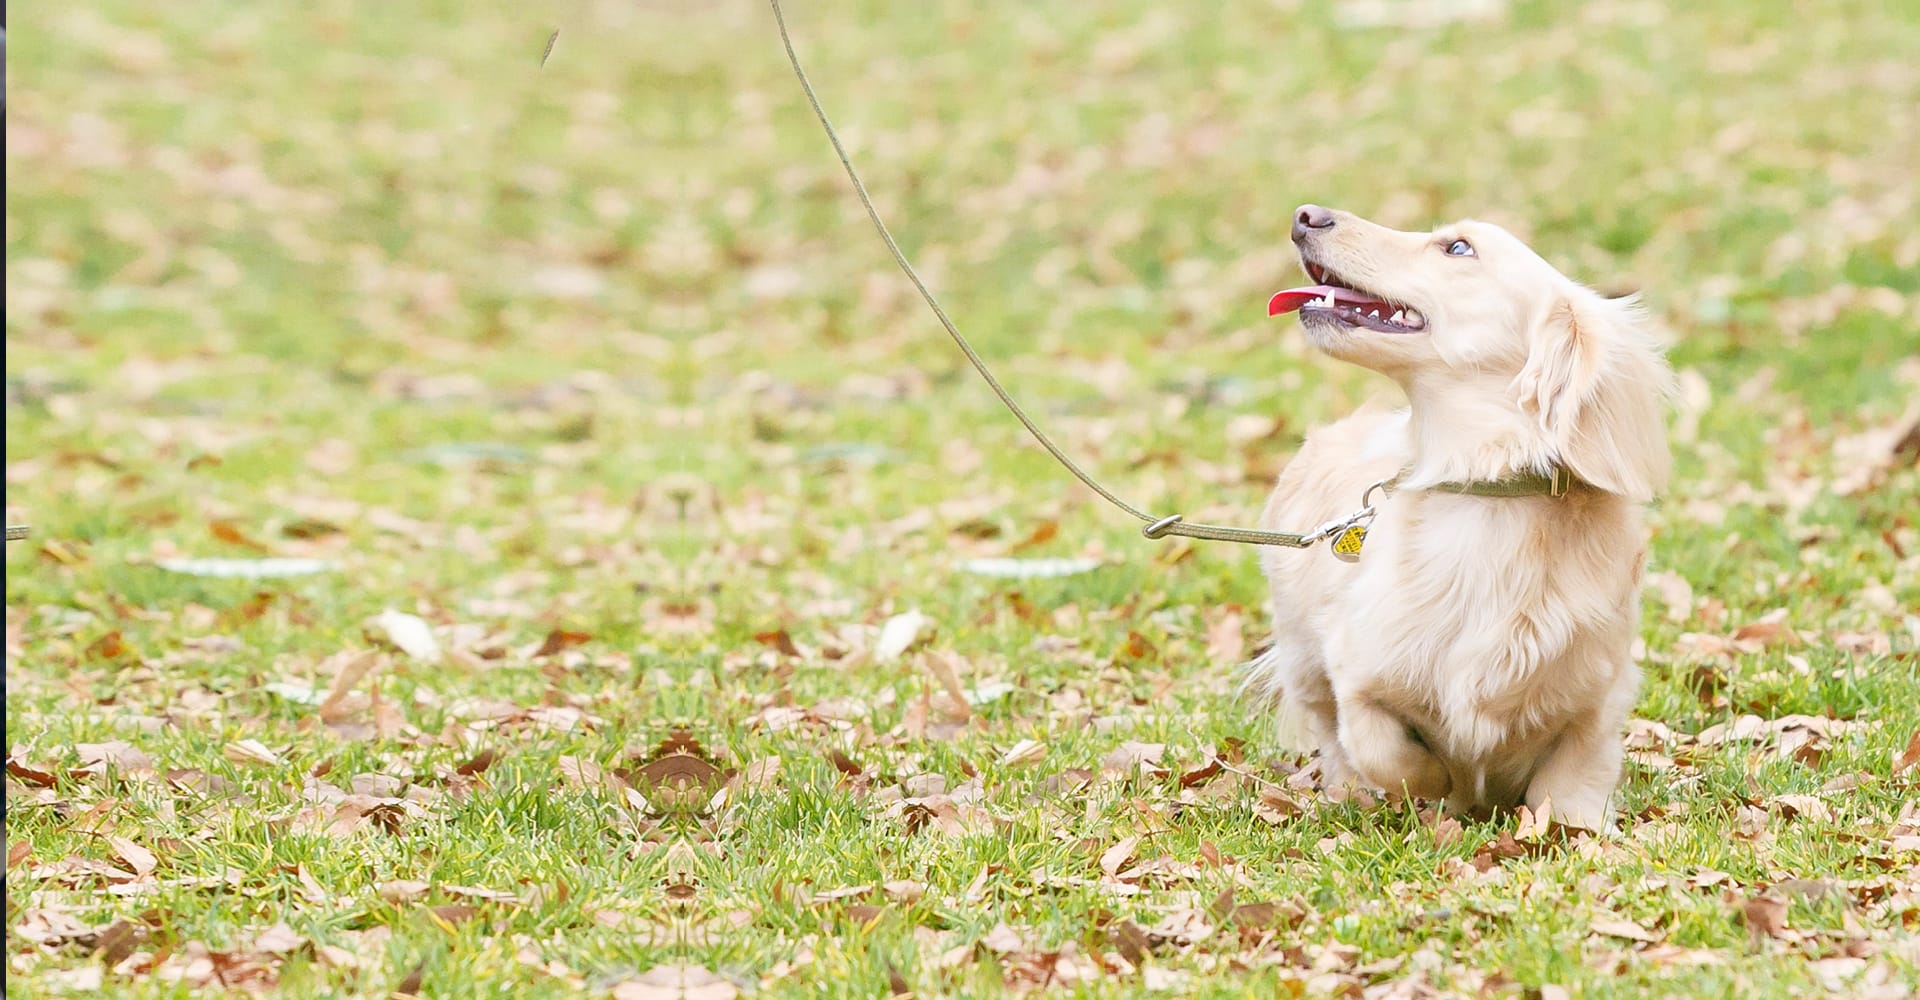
1376,314
1399,316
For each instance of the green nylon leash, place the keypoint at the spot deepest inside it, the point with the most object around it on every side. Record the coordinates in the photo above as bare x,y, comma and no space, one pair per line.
1347,531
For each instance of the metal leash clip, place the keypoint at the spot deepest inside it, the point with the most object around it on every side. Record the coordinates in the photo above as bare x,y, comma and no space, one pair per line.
1350,533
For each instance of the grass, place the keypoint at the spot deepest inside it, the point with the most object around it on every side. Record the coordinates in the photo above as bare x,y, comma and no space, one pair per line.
597,370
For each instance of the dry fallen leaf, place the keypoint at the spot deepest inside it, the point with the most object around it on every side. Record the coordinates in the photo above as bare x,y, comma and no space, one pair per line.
332,709
1794,806
899,634
118,754
1226,638
138,858
278,940
402,890
560,639
676,982
251,751
1023,752
1910,756
1623,928
1114,857
940,665
1003,940
1765,917
410,633
1532,824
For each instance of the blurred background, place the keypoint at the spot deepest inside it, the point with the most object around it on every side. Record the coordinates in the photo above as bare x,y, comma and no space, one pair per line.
247,231
598,368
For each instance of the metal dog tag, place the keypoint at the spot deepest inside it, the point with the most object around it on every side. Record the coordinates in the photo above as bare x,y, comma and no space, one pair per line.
1346,544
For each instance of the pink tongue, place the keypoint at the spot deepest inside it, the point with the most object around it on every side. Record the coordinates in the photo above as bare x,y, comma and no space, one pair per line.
1294,298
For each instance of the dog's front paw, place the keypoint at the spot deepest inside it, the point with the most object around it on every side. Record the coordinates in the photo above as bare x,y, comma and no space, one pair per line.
1593,814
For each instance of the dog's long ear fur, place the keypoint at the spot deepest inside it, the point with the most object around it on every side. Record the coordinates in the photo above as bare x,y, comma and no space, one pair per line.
1597,380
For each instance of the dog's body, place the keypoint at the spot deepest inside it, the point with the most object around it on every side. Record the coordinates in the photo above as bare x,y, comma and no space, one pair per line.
1479,649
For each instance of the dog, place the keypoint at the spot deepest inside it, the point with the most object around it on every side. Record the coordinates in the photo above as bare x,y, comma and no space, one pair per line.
1478,649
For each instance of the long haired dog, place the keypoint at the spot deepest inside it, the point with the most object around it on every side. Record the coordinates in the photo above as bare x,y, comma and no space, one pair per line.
1477,650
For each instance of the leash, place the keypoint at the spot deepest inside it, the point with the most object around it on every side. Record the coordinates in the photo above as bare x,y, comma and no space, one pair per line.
1155,527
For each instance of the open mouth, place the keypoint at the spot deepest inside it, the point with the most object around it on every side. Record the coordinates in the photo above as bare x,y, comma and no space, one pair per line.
1337,300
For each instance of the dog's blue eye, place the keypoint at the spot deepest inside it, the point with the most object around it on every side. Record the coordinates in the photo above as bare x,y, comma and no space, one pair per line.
1459,248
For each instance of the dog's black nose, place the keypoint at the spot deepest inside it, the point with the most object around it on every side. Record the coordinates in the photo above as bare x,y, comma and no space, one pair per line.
1308,218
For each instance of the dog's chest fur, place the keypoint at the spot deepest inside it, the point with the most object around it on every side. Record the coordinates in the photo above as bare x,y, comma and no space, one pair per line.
1486,623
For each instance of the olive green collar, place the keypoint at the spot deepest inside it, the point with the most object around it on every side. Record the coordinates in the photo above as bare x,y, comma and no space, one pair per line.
1553,483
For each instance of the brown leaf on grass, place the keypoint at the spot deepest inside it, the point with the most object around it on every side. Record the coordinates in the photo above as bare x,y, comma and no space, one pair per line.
1114,858
409,633
251,751
1003,940
899,634
477,764
781,642
115,943
580,772
1276,806
1627,929
1130,940
1226,638
230,533
1505,848
409,985
1796,806
1908,757
481,893
560,639
453,913
676,982
1023,752
278,940
308,528
1531,824
347,676
1202,774
17,852
1447,831
678,775
403,890
116,754
107,647
940,665
1765,917
41,775
761,774
1042,533
1768,628
843,763
1138,647
905,890
1130,756
864,915
139,859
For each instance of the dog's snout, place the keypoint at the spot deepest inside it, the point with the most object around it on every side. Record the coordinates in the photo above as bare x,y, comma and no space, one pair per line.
1310,218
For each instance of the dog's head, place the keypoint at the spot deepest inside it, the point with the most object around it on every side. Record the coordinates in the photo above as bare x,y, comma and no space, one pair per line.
1450,313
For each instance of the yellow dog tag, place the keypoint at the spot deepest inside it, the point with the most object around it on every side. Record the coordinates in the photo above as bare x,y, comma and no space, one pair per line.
1346,545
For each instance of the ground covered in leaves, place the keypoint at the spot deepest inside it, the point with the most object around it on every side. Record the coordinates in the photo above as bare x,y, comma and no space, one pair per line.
509,530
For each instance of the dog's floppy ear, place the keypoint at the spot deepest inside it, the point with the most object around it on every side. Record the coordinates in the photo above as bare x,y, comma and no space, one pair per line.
1598,382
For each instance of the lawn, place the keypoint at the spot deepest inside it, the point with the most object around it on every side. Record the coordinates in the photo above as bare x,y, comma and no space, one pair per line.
649,629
